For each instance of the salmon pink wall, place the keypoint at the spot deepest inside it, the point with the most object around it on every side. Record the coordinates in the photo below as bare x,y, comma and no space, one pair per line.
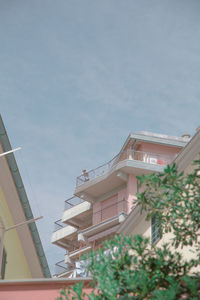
34,291
105,209
110,207
157,149
131,191
121,202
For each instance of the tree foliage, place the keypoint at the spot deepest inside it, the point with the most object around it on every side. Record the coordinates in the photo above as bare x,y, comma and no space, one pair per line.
131,268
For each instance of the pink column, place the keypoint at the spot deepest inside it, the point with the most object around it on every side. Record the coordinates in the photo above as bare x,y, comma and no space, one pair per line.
131,191
96,218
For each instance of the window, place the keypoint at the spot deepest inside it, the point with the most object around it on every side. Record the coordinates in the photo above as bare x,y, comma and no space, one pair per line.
3,267
155,229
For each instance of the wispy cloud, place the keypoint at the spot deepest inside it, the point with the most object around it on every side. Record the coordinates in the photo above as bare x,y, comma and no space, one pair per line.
76,77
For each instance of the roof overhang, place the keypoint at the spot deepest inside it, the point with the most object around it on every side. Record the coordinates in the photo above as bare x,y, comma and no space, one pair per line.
160,139
189,153
28,234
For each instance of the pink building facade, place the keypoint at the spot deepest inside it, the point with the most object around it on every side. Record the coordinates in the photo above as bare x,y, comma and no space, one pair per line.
105,196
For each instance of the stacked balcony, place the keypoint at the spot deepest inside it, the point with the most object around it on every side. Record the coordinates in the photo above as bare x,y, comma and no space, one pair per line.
77,214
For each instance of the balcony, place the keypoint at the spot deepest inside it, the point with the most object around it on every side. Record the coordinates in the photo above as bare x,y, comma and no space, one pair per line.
146,157
108,176
71,257
61,269
77,213
71,202
78,270
64,236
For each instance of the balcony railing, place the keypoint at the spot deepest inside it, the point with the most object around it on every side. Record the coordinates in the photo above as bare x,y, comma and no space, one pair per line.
80,269
61,267
111,211
147,157
59,225
73,201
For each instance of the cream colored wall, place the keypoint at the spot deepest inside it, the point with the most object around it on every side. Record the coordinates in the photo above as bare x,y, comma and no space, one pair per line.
190,168
16,266
142,227
185,251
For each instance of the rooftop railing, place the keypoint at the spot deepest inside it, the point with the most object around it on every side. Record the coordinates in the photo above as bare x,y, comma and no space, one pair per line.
71,202
147,157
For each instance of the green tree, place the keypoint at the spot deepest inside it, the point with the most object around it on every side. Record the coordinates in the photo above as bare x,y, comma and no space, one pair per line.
131,268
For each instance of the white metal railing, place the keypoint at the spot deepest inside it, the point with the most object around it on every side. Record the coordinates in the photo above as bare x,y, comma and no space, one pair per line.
146,157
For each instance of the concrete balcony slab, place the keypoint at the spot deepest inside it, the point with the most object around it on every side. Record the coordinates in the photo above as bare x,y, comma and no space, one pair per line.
65,237
79,216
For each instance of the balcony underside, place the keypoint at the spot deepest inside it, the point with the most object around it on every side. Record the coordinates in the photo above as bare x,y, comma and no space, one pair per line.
79,216
65,237
113,179
102,229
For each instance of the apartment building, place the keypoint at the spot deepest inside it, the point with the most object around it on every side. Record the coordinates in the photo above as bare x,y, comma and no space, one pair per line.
104,197
136,222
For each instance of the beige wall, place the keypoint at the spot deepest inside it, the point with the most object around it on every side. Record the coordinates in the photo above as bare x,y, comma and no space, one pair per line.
13,213
143,227
16,266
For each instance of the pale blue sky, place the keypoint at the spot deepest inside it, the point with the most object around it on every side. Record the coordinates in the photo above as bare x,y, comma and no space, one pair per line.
77,76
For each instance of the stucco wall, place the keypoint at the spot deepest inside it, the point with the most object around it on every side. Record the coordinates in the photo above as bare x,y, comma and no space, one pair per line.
16,266
44,290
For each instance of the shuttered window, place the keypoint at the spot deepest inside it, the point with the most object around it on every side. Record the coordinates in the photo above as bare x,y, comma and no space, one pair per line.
155,229
3,267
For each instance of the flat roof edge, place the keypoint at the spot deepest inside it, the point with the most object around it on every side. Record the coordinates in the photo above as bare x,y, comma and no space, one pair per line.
43,281
159,139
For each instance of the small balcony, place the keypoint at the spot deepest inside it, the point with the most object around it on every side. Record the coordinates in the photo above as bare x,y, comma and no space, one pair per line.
77,213
78,270
114,173
64,236
62,269
72,257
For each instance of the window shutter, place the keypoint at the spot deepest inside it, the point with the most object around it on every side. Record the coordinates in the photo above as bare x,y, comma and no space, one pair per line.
4,261
155,229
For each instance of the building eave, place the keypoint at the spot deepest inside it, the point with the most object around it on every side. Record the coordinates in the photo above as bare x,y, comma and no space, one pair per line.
188,153
23,198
